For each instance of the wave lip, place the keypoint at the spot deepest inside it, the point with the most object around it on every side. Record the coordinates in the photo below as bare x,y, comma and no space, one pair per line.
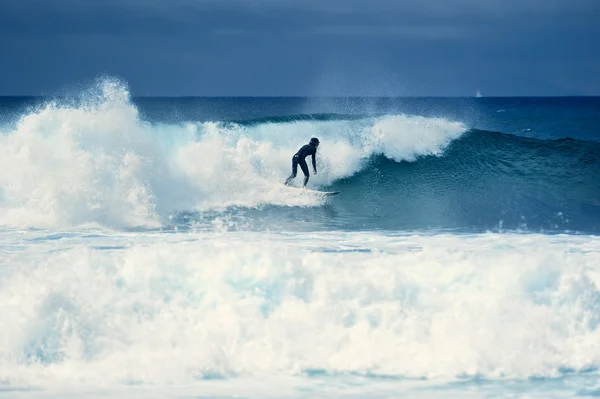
406,137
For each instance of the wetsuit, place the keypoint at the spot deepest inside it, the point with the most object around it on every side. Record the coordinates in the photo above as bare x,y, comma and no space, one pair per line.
299,159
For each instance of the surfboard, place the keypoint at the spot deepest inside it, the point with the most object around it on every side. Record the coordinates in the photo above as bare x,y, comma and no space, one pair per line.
324,193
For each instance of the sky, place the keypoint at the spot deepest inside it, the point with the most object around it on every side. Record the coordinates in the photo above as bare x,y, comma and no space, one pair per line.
303,47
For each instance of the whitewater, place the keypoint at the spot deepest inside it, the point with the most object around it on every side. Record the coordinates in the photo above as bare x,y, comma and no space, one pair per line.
108,167
146,257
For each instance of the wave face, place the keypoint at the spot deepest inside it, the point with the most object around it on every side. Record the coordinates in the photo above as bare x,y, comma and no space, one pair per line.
484,180
98,162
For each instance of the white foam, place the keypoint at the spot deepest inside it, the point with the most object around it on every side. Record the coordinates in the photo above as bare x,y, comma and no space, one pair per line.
405,137
178,308
99,163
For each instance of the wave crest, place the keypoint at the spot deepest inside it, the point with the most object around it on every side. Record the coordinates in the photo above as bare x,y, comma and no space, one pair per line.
98,162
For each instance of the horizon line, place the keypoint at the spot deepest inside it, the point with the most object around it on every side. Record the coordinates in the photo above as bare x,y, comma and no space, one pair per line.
304,96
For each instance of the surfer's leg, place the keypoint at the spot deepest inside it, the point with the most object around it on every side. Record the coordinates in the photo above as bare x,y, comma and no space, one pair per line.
294,170
304,167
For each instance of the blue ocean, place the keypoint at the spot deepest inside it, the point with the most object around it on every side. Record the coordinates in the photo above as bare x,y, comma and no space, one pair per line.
149,248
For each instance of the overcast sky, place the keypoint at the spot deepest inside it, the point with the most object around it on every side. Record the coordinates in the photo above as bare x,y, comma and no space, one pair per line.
303,47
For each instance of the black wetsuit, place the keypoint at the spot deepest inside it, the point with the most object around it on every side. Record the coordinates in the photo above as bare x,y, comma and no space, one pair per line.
299,159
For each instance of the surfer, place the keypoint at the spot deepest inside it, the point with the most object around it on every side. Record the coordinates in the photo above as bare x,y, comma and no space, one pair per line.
299,159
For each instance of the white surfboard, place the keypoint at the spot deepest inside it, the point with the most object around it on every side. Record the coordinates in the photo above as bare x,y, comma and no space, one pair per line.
324,193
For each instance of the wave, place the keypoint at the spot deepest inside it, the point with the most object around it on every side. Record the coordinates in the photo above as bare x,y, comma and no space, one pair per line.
322,117
96,161
139,309
485,180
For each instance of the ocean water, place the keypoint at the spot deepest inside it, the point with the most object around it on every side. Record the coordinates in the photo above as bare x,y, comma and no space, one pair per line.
148,247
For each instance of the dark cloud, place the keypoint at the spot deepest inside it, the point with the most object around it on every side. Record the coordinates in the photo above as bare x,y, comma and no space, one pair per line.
293,47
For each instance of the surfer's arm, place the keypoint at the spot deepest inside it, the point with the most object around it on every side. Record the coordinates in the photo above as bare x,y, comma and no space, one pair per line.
314,161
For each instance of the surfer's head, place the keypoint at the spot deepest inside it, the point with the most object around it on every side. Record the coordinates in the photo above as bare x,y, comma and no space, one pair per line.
314,141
